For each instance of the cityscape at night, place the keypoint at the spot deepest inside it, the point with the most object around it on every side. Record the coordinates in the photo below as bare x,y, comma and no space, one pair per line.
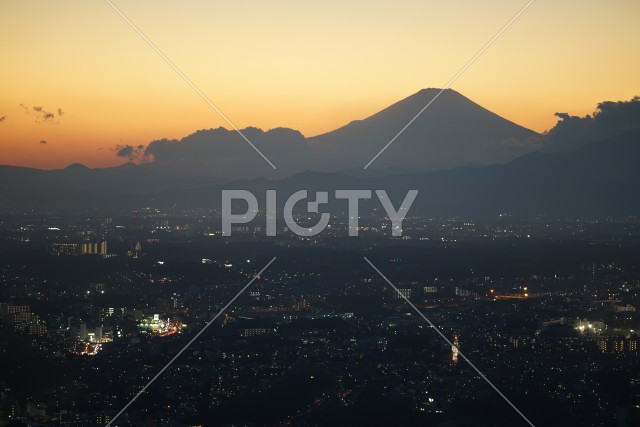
306,214
546,308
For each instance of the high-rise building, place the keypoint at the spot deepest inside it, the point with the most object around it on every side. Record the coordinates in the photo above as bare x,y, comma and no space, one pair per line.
38,328
603,345
22,320
83,332
94,248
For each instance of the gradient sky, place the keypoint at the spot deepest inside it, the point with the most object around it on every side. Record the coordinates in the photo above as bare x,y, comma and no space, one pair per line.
311,66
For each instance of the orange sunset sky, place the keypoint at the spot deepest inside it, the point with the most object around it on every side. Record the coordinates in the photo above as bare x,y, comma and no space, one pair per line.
311,66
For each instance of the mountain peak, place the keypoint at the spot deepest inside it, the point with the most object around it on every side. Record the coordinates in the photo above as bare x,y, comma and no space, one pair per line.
433,91
448,95
76,167
453,132
436,90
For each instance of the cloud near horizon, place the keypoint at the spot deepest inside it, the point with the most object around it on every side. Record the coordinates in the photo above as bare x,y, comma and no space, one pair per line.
223,152
610,119
130,152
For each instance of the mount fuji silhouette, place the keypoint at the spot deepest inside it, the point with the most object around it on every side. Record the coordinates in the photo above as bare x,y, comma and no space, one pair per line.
454,131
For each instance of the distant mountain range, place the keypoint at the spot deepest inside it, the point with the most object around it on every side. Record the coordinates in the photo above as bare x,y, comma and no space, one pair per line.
126,179
453,132
461,157
600,178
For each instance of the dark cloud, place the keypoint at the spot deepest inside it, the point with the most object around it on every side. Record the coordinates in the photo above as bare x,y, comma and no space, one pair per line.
130,152
610,119
42,115
43,142
2,119
124,150
222,152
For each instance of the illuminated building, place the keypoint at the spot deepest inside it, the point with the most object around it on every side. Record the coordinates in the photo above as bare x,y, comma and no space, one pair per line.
464,292
94,248
253,332
402,293
37,329
603,345
623,308
86,348
589,327
454,349
98,334
159,327
136,250
618,345
9,312
303,304
62,249
22,320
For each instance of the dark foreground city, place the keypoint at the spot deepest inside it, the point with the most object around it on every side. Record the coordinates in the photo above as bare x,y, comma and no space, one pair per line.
94,306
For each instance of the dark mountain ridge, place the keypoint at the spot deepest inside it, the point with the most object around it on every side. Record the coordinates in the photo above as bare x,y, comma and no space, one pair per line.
600,178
